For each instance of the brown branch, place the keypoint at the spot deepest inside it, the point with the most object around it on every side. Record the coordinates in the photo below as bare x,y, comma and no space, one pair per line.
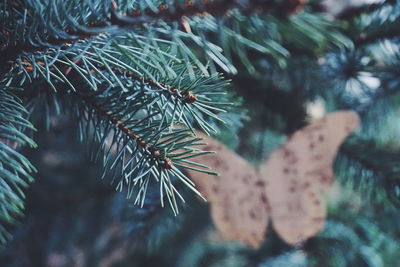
11,53
152,151
187,97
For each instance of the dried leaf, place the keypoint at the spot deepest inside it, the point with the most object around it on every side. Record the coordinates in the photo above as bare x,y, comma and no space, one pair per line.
238,202
297,172
292,178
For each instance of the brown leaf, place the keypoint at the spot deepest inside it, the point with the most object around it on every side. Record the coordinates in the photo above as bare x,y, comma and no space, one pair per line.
297,173
238,202
292,178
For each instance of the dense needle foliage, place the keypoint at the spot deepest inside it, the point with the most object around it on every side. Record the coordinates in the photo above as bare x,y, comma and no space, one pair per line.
133,79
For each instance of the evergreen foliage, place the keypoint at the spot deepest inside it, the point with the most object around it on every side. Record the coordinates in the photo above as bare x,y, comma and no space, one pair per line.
137,77
15,169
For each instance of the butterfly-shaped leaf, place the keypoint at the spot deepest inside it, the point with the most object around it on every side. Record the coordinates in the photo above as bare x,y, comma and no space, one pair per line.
287,188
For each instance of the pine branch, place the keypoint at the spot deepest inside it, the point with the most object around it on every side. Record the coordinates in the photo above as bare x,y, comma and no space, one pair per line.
351,239
139,140
197,97
354,11
159,38
136,54
376,173
388,92
384,24
390,33
191,101
143,147
75,31
15,169
177,11
99,58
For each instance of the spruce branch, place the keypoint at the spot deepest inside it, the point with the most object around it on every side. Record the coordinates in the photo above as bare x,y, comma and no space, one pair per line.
15,169
177,10
160,38
390,33
196,97
37,35
376,173
354,11
186,100
384,24
134,125
145,146
98,57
